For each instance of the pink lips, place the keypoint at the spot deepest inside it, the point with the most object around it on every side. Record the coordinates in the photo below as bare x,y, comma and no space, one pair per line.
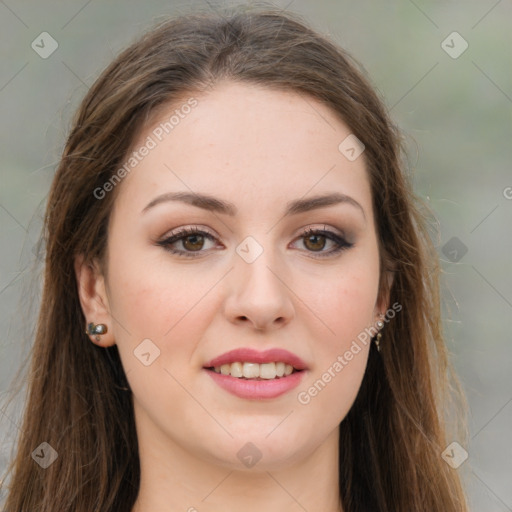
257,389
253,356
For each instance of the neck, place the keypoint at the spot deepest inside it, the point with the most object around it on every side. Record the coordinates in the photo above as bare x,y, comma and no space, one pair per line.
174,479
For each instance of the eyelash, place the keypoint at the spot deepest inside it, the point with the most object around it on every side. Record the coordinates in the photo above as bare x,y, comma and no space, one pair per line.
341,243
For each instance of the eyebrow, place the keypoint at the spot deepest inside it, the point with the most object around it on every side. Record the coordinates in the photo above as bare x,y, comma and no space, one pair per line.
214,204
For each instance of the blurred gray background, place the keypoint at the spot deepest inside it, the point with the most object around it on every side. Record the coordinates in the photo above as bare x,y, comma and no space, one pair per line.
453,103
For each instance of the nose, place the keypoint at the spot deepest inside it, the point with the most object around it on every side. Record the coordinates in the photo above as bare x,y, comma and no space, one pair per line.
259,295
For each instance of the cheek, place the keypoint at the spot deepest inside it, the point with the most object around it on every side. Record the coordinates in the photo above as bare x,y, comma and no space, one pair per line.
346,307
345,299
353,302
151,299
171,308
340,358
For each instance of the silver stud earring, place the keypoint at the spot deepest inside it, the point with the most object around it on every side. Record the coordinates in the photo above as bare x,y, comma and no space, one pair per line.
96,330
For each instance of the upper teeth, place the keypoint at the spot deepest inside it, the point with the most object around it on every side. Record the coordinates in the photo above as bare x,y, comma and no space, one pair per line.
255,370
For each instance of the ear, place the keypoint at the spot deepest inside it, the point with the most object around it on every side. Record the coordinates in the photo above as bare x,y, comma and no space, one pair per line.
94,299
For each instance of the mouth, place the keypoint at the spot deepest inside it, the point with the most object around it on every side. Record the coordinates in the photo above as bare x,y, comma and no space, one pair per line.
246,370
254,375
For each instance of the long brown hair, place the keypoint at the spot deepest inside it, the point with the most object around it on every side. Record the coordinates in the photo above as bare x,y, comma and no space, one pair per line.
392,438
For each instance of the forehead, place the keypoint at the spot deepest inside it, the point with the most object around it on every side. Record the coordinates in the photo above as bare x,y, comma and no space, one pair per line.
248,143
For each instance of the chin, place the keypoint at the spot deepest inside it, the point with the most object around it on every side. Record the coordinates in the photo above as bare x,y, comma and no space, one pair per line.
258,452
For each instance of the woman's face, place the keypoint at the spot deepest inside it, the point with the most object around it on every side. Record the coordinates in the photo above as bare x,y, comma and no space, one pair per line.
245,275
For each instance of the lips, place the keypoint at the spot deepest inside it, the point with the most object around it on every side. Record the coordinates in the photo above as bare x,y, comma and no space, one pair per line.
248,387
254,356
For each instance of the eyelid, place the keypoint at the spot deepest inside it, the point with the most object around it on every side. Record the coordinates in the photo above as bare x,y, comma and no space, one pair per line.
193,228
321,227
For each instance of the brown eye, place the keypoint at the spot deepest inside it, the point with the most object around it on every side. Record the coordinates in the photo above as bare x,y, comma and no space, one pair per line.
315,242
193,242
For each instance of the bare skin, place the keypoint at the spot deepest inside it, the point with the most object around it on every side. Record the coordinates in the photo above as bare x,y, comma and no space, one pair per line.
258,149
